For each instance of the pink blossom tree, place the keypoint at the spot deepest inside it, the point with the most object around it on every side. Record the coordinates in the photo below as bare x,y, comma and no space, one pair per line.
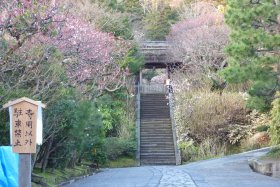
90,57
199,39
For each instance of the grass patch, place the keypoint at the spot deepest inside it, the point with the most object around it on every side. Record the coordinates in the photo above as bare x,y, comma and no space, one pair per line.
53,177
274,154
121,162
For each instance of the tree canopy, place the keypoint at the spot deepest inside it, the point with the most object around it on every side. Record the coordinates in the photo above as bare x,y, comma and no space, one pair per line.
254,49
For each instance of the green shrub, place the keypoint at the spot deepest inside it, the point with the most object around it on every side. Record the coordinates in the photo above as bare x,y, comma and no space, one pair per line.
274,130
204,115
158,23
133,60
74,128
209,148
274,153
256,141
120,25
117,147
262,128
188,150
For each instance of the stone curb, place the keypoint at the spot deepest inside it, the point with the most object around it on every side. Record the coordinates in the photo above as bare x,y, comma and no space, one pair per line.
78,178
269,168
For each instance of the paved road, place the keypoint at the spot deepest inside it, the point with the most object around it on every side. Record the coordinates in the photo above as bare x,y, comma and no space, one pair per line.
230,171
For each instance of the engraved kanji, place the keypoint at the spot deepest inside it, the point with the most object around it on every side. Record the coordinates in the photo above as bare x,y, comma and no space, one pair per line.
17,112
18,123
28,133
29,113
17,133
28,142
29,124
17,143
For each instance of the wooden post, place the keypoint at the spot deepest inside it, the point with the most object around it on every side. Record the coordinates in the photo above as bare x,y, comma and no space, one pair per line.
24,126
24,177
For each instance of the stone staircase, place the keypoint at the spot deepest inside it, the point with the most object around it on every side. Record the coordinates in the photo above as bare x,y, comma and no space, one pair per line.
156,137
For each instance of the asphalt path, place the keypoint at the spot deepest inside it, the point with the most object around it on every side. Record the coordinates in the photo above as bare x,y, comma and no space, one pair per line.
229,171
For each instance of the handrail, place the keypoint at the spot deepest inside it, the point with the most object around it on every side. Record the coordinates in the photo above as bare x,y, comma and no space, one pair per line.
173,124
138,97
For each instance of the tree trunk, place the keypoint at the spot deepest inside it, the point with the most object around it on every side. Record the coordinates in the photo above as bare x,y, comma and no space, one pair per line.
46,157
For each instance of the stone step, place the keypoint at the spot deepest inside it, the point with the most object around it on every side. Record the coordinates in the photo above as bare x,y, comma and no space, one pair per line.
149,143
159,125
156,113
157,120
162,114
157,158
156,127
161,138
152,115
157,147
165,124
152,131
153,101
157,144
144,162
156,137
164,152
158,154
147,134
154,105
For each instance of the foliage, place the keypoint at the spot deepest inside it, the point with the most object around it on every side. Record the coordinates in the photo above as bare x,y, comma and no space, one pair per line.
198,40
116,147
114,17
130,6
256,141
254,49
262,128
204,114
209,148
133,60
121,162
28,65
237,133
111,108
274,153
90,57
117,112
53,177
120,26
72,129
274,130
256,122
51,52
158,23
149,74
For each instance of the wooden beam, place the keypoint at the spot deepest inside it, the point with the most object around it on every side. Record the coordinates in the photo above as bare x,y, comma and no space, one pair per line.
24,177
10,103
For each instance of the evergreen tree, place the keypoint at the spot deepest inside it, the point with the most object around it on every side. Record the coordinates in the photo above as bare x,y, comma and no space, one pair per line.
254,49
158,23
